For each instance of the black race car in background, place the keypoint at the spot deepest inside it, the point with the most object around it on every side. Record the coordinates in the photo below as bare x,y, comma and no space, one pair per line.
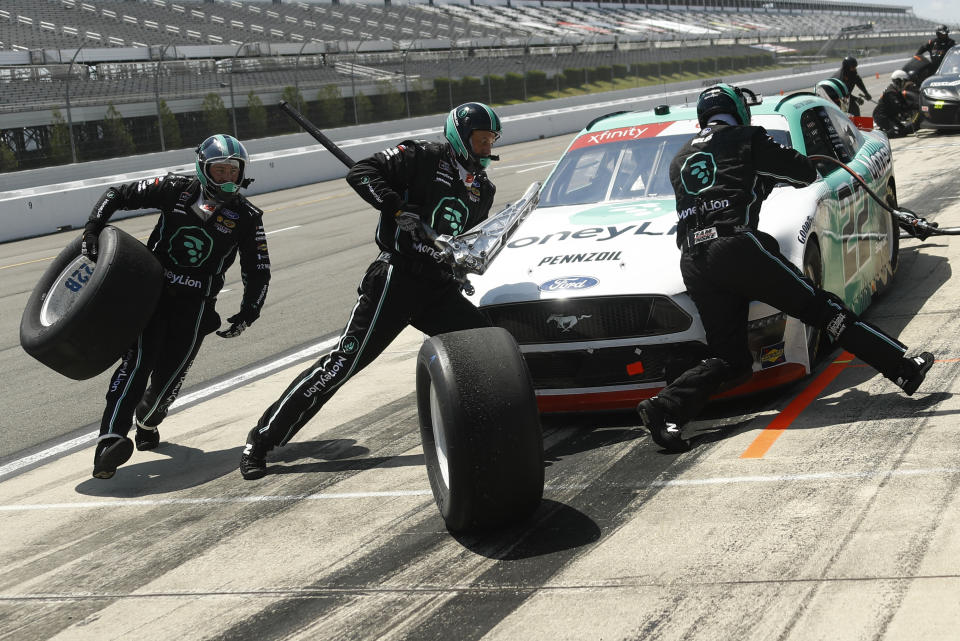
940,94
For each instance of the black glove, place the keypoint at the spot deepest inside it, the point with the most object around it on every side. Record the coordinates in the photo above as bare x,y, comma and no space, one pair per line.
89,243
408,222
868,96
239,322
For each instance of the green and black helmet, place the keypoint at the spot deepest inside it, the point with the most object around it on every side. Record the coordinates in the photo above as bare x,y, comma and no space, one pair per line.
832,89
463,121
723,99
217,149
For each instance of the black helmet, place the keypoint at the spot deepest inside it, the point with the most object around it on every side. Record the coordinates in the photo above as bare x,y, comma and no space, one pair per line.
220,148
942,32
463,121
849,63
723,99
832,89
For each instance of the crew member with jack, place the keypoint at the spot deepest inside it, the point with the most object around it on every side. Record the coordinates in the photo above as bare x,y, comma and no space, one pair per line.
420,189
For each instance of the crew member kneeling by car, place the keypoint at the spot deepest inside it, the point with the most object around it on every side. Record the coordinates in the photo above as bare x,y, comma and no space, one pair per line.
720,178
204,222
416,183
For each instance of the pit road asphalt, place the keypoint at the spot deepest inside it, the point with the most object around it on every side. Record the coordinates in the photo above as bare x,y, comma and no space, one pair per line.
846,527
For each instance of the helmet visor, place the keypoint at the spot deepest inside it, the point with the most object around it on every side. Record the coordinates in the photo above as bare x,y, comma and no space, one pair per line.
222,171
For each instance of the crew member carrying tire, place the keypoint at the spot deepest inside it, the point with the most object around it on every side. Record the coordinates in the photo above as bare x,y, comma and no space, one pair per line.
204,223
418,188
721,177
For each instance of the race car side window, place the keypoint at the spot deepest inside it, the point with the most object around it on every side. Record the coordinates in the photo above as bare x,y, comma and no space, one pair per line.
848,135
821,137
815,136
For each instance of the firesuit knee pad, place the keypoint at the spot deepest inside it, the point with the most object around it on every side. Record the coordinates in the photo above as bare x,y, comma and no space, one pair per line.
706,376
869,343
830,314
683,399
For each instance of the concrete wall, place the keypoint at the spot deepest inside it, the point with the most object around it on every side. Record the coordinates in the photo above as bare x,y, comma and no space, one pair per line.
46,208
64,195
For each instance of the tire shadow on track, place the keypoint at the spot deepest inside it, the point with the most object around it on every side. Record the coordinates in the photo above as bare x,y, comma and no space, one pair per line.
554,527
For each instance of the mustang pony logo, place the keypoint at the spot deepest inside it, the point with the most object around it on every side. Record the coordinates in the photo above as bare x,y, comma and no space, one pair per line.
566,323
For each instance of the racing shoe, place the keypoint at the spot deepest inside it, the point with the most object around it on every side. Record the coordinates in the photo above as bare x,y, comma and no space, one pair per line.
146,438
112,451
665,434
913,371
253,459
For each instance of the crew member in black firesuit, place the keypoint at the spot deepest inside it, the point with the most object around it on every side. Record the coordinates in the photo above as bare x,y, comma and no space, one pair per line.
848,74
412,185
204,222
893,107
937,47
720,178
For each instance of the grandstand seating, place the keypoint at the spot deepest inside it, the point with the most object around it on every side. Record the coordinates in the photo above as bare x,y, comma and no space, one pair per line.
31,24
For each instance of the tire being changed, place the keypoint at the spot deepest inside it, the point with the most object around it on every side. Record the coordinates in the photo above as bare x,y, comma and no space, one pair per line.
82,316
480,428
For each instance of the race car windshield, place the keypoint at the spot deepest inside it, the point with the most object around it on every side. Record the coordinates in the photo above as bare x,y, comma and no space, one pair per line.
592,172
950,64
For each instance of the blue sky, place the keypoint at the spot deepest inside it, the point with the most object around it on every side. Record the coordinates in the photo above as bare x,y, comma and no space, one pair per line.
940,10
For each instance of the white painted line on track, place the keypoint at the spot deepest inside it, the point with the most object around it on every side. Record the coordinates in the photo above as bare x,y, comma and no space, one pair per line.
200,394
326,496
277,231
817,476
539,166
323,496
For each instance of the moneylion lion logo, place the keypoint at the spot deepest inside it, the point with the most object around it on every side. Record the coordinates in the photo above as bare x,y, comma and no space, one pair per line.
698,173
449,215
190,246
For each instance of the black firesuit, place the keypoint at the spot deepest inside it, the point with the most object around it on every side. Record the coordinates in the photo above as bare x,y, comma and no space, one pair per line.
721,177
937,48
890,111
406,285
195,255
852,80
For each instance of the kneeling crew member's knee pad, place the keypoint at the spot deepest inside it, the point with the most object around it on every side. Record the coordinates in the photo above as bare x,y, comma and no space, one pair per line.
870,344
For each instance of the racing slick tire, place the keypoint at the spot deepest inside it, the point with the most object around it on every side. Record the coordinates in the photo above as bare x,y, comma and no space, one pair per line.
82,315
480,428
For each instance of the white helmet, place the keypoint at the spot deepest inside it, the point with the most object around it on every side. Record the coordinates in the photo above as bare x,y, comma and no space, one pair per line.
899,77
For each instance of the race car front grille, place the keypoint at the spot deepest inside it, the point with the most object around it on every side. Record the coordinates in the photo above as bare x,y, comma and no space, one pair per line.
612,365
578,319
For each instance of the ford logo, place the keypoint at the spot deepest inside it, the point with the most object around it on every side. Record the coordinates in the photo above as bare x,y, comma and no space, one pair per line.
567,283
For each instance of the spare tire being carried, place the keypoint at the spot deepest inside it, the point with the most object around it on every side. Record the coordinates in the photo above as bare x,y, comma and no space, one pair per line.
82,316
480,428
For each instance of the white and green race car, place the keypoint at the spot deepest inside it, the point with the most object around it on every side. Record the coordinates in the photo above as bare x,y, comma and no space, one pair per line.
589,281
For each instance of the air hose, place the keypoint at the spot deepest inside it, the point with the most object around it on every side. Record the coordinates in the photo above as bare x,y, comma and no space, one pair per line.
915,226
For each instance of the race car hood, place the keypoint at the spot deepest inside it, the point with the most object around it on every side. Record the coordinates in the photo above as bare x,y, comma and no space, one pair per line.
600,249
617,249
